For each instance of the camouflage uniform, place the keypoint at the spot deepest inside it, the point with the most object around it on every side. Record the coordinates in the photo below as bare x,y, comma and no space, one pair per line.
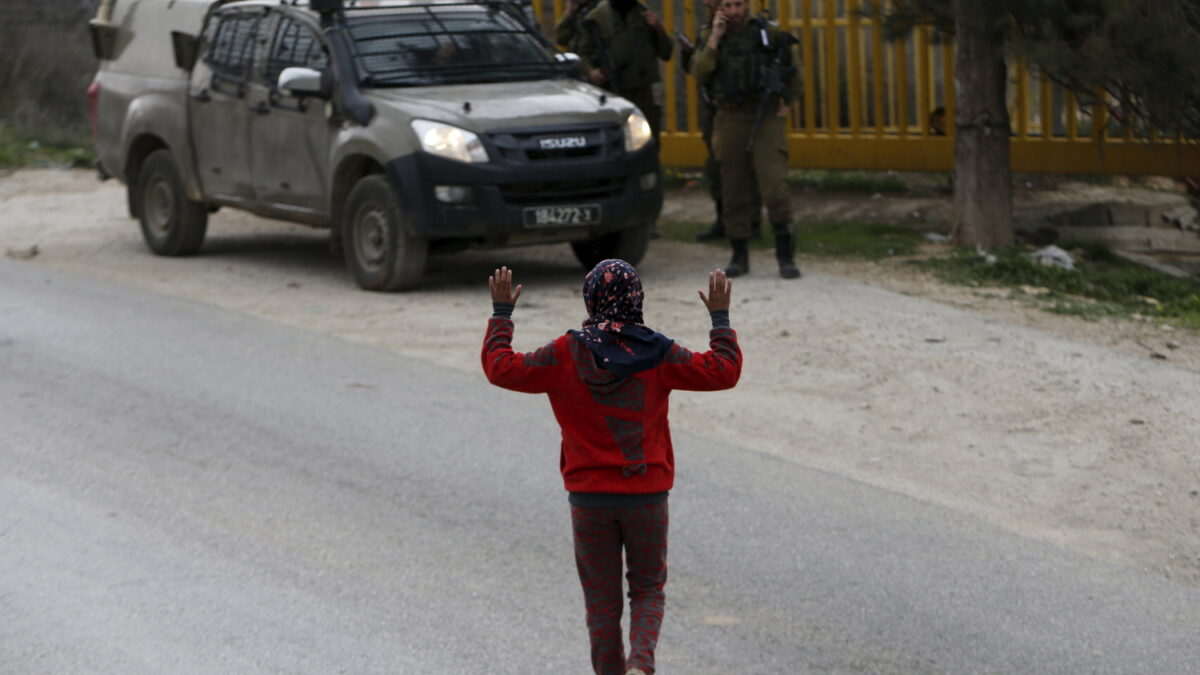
635,49
733,72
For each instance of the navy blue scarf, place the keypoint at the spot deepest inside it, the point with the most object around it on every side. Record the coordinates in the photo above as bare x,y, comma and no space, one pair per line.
613,331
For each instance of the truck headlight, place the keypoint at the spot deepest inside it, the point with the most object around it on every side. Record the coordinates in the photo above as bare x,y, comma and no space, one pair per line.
449,142
637,132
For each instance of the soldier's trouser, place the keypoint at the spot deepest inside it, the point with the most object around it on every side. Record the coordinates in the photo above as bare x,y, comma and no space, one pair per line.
712,168
768,161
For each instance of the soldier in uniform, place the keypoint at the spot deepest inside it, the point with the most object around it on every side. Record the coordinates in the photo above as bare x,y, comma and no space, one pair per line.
732,60
634,39
707,113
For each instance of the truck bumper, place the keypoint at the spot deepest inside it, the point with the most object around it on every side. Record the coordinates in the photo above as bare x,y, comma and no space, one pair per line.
488,204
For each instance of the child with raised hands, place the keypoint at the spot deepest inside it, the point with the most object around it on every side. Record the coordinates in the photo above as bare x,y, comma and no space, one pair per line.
608,385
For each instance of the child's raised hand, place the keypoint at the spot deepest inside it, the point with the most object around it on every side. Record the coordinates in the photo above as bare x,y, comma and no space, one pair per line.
720,288
502,289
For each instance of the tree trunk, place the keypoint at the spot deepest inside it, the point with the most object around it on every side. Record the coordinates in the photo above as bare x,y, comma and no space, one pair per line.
982,176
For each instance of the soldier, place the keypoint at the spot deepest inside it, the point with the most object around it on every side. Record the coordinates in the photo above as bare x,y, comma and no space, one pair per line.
735,60
629,38
707,113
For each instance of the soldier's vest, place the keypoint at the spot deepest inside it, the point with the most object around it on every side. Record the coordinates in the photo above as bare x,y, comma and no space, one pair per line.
741,59
631,45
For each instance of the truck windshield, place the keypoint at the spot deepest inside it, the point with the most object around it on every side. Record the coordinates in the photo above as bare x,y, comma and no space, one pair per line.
447,44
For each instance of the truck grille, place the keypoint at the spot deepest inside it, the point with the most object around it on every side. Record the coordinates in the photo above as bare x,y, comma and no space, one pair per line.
561,192
562,145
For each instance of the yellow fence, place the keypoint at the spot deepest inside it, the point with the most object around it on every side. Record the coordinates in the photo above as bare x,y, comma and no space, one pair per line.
874,104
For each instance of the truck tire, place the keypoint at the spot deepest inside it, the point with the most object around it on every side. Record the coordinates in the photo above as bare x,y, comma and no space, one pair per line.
629,245
380,252
171,223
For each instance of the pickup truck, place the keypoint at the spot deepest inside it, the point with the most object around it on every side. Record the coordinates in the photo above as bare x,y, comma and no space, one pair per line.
405,128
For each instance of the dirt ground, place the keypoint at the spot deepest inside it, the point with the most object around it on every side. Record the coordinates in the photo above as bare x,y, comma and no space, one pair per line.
1054,427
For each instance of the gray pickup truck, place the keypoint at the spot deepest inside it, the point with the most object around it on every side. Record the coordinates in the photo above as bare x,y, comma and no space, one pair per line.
403,127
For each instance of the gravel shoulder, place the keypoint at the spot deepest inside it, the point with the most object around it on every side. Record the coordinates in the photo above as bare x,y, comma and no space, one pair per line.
1053,427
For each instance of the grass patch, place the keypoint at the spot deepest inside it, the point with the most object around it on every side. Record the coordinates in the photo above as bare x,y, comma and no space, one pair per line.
1102,285
819,180
673,178
844,181
681,230
871,241
19,149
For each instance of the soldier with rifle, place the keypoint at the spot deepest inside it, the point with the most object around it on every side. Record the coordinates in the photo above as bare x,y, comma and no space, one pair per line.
707,114
748,64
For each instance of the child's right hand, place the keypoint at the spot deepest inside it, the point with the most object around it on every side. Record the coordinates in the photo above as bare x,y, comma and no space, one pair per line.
502,289
720,288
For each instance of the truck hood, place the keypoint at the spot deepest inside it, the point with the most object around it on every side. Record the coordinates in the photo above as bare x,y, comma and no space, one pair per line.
506,105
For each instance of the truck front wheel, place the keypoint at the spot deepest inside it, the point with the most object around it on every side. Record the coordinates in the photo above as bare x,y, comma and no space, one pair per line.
380,252
629,245
171,223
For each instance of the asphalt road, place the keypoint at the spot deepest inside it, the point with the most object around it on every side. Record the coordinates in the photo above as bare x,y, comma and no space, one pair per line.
187,490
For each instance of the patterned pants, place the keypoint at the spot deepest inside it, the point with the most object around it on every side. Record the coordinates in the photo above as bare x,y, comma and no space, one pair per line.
600,535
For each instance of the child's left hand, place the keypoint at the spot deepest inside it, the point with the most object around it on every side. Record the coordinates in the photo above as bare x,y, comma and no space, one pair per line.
502,289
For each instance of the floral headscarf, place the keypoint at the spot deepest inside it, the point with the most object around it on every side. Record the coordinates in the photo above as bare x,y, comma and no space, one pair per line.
613,331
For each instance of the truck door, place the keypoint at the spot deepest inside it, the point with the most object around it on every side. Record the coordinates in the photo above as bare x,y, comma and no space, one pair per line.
217,105
289,135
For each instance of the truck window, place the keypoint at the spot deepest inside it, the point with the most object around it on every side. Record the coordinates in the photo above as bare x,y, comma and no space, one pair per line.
294,45
450,45
232,45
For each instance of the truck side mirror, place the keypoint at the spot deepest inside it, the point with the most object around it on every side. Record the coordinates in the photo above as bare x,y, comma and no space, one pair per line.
104,39
297,81
186,48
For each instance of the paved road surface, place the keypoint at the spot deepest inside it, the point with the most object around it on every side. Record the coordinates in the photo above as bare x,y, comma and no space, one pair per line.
187,490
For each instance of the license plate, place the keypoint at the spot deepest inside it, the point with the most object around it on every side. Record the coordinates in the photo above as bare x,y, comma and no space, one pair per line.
550,216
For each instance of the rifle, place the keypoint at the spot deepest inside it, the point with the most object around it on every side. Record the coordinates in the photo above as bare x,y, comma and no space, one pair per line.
606,60
772,77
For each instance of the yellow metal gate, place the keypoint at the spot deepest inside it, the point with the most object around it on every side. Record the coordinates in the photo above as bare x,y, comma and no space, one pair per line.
874,104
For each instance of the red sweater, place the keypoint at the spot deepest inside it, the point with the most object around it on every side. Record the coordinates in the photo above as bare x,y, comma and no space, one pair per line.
615,436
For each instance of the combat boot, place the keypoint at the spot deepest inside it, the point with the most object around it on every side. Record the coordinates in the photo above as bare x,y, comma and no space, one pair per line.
785,249
717,231
739,264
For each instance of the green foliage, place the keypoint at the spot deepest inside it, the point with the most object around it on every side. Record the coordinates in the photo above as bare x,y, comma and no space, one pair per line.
1102,284
673,178
1142,54
845,181
871,241
902,16
821,180
18,149
46,67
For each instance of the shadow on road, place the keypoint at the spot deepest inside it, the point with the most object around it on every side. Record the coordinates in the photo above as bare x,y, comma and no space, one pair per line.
308,253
